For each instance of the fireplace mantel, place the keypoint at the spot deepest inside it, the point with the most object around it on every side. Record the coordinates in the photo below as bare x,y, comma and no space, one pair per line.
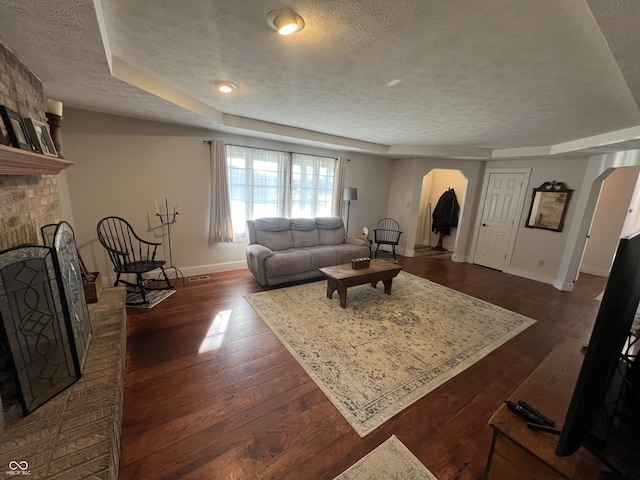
14,161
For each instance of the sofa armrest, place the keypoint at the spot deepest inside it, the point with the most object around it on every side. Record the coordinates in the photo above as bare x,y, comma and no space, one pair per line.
356,241
256,256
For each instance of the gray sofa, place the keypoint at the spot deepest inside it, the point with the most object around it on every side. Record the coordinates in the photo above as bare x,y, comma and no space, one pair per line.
284,250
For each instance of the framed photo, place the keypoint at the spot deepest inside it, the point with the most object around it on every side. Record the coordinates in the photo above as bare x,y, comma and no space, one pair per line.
40,137
16,130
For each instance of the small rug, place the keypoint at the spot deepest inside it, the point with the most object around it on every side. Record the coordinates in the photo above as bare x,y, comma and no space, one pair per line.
390,461
154,297
384,352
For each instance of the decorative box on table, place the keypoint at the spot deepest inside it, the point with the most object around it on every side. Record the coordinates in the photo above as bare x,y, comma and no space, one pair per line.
358,263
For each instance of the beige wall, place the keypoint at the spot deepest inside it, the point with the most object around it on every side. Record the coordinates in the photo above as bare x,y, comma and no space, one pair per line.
537,253
404,200
123,166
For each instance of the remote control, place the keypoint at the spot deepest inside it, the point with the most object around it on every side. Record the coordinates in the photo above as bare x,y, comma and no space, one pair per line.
524,413
544,428
536,412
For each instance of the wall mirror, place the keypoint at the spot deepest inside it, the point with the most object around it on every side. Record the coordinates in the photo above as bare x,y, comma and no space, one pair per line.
549,206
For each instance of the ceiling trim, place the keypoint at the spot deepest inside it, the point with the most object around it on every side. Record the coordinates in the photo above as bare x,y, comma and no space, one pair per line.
146,81
245,123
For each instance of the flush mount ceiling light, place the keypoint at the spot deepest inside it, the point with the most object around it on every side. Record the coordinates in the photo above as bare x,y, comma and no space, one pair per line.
285,21
225,87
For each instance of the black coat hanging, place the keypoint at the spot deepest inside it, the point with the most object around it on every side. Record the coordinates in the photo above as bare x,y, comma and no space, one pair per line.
445,215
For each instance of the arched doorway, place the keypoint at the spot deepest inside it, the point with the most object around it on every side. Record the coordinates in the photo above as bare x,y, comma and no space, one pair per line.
617,214
434,185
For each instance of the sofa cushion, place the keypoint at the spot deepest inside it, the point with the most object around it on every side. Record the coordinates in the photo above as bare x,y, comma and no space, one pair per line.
288,262
330,230
322,256
304,232
274,233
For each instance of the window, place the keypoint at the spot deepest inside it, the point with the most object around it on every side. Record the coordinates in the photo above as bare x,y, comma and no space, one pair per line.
268,183
311,185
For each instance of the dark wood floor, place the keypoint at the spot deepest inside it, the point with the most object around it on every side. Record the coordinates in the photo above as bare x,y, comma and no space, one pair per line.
238,406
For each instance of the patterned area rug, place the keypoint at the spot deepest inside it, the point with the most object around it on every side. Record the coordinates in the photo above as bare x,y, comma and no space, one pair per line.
154,297
390,461
382,353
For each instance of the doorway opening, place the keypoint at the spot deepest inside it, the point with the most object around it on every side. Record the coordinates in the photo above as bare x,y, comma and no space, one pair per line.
617,214
434,185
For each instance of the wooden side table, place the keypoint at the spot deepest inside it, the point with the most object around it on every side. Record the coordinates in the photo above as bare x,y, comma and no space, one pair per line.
518,452
370,240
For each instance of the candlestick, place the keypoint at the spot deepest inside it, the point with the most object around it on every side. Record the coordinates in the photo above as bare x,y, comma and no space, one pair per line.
55,125
54,106
168,219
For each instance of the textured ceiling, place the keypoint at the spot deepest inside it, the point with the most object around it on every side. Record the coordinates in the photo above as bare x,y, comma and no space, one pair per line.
490,79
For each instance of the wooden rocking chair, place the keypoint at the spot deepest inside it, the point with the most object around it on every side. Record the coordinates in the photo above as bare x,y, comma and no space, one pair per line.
130,254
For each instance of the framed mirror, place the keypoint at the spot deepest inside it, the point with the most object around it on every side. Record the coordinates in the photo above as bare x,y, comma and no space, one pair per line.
549,206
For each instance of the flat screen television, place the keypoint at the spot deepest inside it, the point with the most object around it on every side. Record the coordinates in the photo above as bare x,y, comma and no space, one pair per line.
604,412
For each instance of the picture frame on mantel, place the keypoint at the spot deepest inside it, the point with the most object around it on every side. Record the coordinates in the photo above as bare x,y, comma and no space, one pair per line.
40,137
16,129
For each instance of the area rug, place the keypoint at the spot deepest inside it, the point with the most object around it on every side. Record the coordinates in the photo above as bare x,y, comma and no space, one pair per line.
154,297
390,461
384,352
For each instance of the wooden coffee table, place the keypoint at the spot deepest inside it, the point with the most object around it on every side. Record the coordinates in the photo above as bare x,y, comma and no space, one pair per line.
341,277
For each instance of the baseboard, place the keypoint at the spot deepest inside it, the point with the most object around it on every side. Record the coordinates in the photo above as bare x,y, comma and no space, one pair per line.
530,275
215,268
563,286
599,272
108,281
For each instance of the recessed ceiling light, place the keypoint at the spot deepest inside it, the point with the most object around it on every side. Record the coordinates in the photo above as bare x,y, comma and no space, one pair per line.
225,87
285,21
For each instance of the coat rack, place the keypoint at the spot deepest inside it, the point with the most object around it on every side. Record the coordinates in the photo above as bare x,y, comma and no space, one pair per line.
169,219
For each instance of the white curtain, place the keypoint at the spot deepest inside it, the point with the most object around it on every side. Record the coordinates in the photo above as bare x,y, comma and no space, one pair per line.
220,226
339,183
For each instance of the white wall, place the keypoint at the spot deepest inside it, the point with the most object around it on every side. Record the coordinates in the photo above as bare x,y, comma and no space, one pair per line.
632,222
122,166
610,216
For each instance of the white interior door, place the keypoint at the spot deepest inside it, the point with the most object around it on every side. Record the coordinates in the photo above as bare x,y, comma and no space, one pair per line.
498,219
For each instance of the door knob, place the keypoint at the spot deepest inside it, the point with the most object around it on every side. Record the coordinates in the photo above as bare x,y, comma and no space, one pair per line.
485,225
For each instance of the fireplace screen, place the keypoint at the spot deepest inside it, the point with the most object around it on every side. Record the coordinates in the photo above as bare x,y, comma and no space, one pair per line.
64,244
44,325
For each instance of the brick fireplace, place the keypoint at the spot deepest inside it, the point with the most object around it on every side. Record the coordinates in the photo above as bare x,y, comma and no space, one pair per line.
77,433
27,202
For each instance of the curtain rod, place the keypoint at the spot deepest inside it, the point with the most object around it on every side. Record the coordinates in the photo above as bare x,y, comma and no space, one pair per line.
276,150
